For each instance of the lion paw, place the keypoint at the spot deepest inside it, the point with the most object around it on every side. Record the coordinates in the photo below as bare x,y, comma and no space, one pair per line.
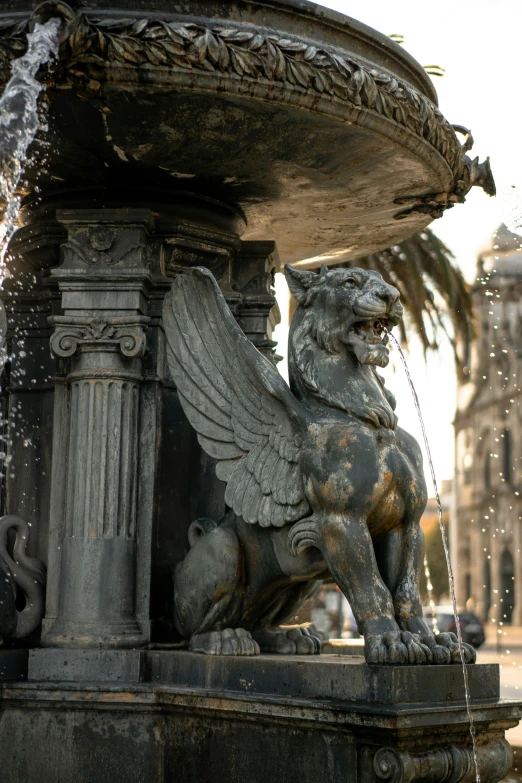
231,641
292,641
449,642
396,647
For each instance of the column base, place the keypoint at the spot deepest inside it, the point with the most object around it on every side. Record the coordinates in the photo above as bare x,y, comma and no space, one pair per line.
93,636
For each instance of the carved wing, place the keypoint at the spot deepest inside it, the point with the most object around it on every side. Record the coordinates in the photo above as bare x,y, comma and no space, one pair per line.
242,409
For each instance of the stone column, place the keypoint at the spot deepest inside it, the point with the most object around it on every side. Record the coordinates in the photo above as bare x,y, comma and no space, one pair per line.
257,311
101,335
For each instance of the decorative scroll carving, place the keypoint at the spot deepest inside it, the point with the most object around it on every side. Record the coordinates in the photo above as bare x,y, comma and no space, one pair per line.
24,572
124,334
453,763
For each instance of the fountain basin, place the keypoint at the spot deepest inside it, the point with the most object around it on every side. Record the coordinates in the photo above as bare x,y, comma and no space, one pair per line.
310,127
181,134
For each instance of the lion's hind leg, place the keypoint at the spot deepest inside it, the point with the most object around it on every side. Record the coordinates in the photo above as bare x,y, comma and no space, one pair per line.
273,637
208,592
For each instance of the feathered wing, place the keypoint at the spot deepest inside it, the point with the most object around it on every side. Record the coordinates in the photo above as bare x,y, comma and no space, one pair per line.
241,408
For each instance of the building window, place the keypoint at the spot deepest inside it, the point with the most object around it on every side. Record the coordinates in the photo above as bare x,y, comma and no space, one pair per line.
468,586
467,466
487,471
507,467
507,586
487,588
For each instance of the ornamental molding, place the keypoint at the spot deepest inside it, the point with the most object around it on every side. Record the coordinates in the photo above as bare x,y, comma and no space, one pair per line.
246,53
76,334
440,765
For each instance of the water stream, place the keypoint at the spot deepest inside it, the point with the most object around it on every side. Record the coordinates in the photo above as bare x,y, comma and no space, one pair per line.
446,552
19,122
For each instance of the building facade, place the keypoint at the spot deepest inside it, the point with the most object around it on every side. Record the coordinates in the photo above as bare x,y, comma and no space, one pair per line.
487,534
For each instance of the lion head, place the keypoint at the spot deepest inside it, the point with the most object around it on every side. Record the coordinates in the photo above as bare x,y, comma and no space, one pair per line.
351,308
339,336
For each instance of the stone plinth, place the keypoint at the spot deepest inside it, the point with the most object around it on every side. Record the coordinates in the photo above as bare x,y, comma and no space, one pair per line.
188,717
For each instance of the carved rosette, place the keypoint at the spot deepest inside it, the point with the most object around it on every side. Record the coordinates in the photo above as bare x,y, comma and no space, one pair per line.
73,335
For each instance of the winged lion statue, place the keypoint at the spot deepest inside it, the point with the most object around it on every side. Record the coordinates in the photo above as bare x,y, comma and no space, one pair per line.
320,480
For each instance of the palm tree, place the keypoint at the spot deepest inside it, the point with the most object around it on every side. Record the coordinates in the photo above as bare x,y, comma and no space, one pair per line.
435,295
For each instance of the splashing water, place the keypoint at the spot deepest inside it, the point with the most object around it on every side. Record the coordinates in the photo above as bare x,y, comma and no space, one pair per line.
446,552
19,122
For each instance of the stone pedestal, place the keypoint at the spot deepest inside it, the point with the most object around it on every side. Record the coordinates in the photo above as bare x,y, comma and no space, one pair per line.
268,719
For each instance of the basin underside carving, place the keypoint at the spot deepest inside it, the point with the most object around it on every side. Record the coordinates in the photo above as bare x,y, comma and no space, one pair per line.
321,146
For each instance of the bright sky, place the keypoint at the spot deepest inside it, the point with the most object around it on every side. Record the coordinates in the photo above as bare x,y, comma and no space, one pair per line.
478,44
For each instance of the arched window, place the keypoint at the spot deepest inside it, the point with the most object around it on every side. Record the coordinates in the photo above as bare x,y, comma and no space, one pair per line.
487,470
507,467
483,458
487,588
507,586
467,469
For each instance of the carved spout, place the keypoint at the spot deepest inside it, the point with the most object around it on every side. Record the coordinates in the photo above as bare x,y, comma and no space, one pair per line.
54,9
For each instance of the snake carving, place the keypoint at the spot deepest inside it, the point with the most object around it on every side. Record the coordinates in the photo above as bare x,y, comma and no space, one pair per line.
320,480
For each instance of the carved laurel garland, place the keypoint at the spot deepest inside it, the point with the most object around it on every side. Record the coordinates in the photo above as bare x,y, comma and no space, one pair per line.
248,53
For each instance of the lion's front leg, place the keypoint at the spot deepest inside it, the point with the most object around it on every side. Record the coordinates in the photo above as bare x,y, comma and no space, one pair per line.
400,555
346,545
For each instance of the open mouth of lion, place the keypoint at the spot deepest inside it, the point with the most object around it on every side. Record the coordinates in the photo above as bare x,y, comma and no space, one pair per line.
372,331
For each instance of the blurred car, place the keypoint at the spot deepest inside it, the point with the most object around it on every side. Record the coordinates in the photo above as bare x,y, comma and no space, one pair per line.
471,628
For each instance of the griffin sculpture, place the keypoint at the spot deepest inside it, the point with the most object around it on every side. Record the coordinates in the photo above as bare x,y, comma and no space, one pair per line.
320,481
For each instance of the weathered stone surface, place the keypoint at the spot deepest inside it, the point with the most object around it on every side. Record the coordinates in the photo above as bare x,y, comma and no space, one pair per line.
159,733
86,665
103,280
329,677
326,677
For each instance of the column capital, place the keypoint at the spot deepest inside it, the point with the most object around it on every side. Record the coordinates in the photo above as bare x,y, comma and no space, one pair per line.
73,334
